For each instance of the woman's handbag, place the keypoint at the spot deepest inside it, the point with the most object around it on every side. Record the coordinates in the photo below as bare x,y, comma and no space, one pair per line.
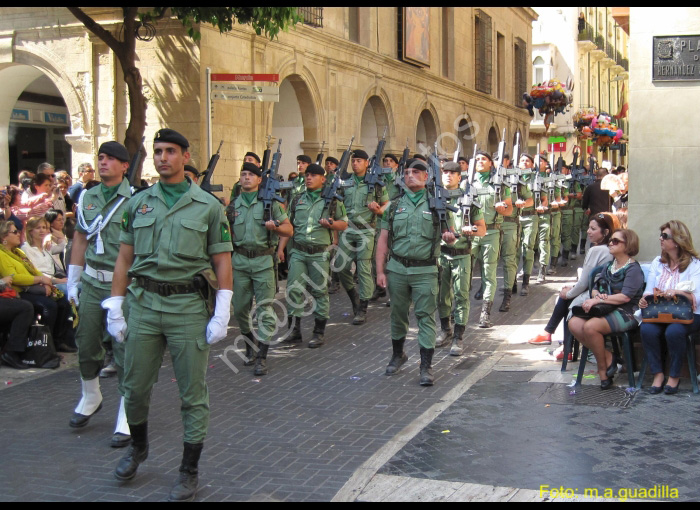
40,351
599,310
664,310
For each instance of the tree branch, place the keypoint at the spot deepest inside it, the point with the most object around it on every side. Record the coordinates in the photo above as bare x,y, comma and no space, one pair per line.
97,29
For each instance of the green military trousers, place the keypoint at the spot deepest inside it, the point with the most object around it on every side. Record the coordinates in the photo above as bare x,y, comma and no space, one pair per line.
455,275
313,271
486,249
555,235
91,334
358,247
567,224
528,238
579,224
422,291
184,334
248,283
544,225
509,251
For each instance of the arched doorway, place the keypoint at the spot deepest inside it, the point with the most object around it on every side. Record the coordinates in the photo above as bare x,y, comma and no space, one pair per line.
466,134
492,144
34,123
374,120
426,132
294,120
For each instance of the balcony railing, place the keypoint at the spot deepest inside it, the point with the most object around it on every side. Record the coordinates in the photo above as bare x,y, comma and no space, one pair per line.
587,34
610,51
625,63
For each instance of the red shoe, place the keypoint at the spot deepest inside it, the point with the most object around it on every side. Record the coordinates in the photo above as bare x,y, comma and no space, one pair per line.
560,356
545,339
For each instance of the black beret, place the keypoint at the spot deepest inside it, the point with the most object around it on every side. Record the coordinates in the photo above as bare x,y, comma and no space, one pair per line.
485,154
171,136
332,160
191,169
420,156
359,153
391,156
451,166
114,149
528,156
304,158
253,155
462,158
252,167
417,164
315,169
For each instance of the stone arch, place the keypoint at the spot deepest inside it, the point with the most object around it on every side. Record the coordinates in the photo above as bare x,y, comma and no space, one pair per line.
427,128
375,115
492,139
466,131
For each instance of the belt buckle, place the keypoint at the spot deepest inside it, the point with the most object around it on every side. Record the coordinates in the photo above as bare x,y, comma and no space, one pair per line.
100,276
163,289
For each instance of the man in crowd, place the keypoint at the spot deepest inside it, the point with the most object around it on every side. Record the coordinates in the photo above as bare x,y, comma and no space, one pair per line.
86,173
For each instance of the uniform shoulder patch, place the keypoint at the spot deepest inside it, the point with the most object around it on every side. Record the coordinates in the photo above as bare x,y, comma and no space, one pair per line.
125,221
144,209
225,232
90,207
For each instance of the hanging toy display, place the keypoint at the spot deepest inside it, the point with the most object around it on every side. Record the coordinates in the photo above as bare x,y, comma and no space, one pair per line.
582,121
550,98
604,131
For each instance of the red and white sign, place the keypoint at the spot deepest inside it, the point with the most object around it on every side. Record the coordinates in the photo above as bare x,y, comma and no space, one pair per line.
245,77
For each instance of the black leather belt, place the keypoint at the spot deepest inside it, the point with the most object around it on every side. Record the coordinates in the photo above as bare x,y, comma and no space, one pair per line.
510,219
493,226
162,288
413,262
309,249
453,252
524,214
253,254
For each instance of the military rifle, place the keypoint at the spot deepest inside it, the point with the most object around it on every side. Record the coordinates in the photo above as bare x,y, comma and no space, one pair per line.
271,185
133,169
330,192
319,158
373,176
498,172
266,154
537,181
513,174
206,184
400,182
438,196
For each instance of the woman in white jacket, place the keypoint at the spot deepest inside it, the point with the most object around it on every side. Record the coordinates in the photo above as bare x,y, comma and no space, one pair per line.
600,229
676,271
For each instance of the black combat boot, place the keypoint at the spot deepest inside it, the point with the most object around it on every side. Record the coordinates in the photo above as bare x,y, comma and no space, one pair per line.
379,292
505,305
552,267
250,347
295,337
443,337
514,290
354,300
398,357
135,455
186,486
525,288
261,360
457,344
426,367
485,317
573,251
542,275
319,330
582,250
565,258
480,293
361,315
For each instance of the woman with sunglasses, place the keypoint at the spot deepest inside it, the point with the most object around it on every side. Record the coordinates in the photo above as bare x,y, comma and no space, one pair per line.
621,284
600,229
677,263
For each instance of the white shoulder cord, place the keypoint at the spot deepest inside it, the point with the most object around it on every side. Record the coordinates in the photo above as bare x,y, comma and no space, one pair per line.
98,223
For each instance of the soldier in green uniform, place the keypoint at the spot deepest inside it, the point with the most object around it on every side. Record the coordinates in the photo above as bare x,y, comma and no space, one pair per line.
331,166
528,223
96,246
509,244
544,224
567,216
192,173
555,230
455,267
173,233
356,244
254,245
309,256
575,196
250,157
486,249
411,238
299,182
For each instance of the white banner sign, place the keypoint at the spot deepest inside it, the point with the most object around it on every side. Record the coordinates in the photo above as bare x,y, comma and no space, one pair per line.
245,89
241,96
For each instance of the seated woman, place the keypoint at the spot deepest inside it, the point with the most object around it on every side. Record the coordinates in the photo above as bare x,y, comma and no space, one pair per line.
18,314
600,228
621,284
35,249
36,288
59,241
678,263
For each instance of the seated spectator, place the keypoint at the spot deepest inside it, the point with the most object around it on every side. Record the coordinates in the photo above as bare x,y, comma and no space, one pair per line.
600,229
37,250
19,314
620,284
677,263
59,240
63,182
36,288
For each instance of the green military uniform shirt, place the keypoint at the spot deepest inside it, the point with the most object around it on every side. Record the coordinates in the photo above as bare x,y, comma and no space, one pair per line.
356,200
173,245
488,201
307,212
464,241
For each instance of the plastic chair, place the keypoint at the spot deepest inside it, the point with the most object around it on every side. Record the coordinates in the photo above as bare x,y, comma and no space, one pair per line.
690,352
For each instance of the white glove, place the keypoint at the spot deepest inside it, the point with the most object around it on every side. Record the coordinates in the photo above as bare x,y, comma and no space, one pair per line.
218,325
74,273
116,324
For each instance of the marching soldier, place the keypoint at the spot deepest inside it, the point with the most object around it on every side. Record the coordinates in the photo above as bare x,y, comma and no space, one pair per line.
486,248
575,196
555,232
299,182
567,217
510,244
254,246
250,157
173,233
331,166
455,268
528,224
544,224
192,173
357,242
309,256
96,246
411,237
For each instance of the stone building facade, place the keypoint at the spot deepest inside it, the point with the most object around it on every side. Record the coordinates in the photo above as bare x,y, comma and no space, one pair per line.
346,78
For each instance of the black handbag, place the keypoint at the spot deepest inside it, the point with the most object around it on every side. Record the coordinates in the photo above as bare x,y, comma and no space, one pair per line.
599,310
40,351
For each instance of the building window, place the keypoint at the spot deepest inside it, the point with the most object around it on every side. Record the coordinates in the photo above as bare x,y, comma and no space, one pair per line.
520,65
483,42
500,66
312,16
